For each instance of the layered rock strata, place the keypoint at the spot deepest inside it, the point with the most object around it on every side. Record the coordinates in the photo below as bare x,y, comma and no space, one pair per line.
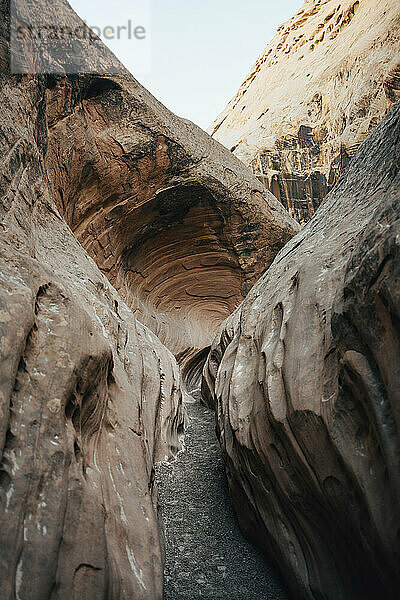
319,88
177,224
93,167
304,377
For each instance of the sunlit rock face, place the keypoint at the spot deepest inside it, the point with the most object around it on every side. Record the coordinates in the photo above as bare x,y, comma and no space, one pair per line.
304,378
95,168
319,88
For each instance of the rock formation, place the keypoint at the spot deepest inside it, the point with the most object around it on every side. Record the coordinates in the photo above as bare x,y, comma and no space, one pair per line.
93,167
127,236
178,225
89,398
322,84
305,380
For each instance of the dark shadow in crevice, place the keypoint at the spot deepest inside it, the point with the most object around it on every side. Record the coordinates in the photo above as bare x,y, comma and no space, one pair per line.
192,371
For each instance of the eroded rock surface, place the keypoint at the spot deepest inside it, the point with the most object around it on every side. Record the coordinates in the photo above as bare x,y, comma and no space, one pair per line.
305,380
90,398
319,88
177,224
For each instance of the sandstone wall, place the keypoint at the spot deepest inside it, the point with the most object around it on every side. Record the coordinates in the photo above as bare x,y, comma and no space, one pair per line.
304,378
89,400
178,225
319,88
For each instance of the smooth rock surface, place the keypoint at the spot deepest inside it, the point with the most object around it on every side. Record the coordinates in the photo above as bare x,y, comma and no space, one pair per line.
305,381
178,225
89,398
319,88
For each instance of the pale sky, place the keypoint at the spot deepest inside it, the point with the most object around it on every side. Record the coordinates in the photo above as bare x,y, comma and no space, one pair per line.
198,51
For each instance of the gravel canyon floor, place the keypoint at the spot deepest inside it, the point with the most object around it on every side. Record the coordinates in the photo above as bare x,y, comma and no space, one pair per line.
206,555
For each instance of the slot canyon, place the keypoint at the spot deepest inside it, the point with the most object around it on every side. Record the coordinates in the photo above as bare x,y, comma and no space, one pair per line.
198,397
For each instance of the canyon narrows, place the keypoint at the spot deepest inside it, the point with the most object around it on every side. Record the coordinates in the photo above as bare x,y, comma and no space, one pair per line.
142,262
206,555
127,236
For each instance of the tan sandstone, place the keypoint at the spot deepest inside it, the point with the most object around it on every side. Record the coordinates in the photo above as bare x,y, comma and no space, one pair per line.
322,84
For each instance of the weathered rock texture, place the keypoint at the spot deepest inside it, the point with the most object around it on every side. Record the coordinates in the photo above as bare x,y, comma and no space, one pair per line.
180,229
178,225
89,397
305,379
321,85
